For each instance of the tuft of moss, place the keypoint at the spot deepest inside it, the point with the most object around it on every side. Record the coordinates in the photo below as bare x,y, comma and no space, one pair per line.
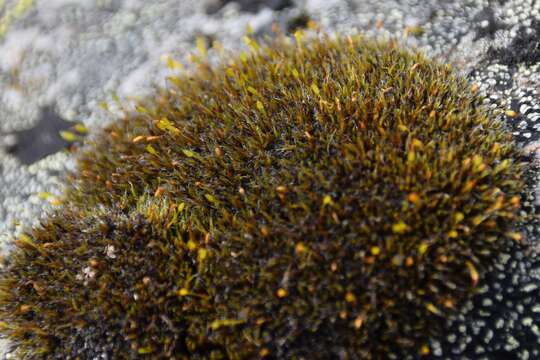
318,198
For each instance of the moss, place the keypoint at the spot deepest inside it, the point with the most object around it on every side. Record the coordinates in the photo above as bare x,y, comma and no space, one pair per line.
313,199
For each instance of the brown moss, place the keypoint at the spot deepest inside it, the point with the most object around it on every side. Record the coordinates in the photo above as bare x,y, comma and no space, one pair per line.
318,199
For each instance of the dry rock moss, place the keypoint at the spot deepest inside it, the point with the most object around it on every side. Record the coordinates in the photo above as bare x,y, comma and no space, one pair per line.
309,199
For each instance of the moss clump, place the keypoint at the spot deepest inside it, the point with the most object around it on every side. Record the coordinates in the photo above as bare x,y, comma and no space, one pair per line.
318,199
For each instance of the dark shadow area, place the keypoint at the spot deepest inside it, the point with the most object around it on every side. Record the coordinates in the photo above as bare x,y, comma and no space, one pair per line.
487,24
42,140
524,48
250,5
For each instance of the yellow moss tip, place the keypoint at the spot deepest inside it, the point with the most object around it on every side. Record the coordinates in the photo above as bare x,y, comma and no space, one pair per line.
425,350
375,250
399,228
327,200
475,276
511,113
69,136
281,293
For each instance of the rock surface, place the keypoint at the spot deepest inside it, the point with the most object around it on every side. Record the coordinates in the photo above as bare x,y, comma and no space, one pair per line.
60,59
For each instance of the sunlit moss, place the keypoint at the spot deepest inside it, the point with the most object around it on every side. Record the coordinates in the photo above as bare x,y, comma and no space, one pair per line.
316,198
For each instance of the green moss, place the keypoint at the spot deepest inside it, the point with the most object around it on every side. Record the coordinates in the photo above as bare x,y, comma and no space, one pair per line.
319,199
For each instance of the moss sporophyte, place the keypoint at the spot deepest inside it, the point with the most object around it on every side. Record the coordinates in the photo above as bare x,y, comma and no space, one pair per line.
312,198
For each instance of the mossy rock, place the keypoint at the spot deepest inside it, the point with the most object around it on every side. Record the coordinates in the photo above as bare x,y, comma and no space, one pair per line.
318,198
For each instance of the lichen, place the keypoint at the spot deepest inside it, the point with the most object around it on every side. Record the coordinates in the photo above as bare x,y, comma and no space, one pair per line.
317,198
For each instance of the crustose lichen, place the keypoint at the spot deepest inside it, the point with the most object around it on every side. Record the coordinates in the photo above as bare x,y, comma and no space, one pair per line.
321,198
